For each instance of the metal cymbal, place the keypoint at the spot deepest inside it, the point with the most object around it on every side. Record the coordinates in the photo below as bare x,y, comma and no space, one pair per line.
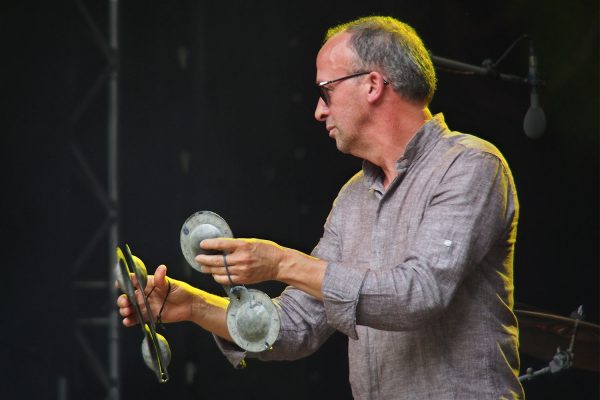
540,334
252,318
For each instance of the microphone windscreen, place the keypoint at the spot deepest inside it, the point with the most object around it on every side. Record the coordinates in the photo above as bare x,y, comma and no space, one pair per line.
534,123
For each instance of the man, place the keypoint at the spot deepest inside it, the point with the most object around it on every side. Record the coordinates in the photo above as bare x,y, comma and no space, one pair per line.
415,263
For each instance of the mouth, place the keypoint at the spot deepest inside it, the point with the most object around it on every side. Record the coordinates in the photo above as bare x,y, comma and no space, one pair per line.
330,129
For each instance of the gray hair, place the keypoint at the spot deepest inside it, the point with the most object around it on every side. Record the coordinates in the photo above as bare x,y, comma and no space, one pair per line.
395,50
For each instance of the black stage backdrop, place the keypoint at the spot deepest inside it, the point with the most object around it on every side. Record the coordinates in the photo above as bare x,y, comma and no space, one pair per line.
216,105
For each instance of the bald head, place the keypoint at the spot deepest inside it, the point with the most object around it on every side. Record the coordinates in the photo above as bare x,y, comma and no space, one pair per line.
338,55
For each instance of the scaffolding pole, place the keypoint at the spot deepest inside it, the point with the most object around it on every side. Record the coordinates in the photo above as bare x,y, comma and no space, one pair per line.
113,193
103,365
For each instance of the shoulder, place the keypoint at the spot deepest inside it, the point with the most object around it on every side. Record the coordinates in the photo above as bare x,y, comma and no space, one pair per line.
449,143
466,147
469,143
355,184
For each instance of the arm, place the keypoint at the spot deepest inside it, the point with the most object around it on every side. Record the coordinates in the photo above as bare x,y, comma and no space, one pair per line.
254,260
472,208
184,303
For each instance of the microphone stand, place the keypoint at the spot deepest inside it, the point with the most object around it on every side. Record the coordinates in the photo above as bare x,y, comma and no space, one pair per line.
534,123
488,69
562,360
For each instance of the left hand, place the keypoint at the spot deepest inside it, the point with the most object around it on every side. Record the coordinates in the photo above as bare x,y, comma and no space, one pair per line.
248,260
178,299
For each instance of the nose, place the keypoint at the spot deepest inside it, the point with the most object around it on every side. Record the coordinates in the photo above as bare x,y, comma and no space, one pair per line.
322,111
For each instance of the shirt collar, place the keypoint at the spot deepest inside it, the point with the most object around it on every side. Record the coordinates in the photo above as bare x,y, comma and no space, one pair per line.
422,140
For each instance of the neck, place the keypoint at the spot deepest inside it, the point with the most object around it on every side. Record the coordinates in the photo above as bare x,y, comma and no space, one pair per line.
393,137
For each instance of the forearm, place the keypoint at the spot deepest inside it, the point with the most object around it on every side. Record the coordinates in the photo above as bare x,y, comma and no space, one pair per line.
209,312
302,271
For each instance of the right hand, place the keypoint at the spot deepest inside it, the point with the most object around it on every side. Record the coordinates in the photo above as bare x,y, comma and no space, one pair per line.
178,305
184,303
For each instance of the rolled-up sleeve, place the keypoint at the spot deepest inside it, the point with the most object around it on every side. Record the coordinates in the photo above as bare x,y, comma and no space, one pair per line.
304,329
341,291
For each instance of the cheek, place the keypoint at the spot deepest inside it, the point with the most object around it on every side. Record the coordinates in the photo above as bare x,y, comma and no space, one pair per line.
348,117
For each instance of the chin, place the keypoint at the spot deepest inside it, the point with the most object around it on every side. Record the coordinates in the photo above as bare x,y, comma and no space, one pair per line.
341,148
343,145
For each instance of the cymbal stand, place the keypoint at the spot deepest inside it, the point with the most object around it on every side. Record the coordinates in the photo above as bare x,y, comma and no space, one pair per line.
562,360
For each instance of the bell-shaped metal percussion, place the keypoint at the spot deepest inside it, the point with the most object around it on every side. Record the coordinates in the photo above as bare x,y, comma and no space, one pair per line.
252,318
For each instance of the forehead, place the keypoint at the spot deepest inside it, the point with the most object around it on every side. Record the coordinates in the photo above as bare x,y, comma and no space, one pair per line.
334,57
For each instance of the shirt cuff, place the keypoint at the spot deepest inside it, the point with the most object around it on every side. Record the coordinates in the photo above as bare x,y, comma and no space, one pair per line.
234,354
341,289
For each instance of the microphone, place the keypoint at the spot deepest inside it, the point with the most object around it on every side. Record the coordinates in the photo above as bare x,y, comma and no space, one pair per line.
534,123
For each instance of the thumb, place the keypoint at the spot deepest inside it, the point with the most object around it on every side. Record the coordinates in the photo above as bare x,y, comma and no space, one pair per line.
160,277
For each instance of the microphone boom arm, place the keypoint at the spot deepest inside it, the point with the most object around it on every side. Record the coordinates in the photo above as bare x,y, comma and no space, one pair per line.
477,70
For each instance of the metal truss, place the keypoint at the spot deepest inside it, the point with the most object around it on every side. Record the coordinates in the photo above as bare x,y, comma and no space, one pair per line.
101,359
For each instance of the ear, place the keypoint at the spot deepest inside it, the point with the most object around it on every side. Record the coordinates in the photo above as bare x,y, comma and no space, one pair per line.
376,87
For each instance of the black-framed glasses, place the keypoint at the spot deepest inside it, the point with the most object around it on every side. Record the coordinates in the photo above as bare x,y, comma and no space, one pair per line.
324,91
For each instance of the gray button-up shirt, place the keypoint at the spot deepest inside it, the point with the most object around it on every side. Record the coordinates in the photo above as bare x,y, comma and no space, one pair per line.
419,277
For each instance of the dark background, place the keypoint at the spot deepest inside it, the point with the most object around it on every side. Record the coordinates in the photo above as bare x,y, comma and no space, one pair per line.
216,104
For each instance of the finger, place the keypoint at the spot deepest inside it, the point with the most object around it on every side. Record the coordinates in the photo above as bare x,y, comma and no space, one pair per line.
133,279
224,279
140,298
211,260
160,277
223,244
130,321
217,270
123,301
127,312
